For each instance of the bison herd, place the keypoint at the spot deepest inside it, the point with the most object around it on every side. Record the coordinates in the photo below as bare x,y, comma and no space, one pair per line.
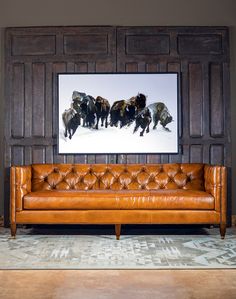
89,112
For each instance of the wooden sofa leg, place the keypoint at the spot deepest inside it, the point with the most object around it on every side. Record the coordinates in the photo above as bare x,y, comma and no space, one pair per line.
13,230
117,229
222,230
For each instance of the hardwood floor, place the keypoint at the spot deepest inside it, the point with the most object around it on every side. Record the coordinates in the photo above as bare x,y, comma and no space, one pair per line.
128,284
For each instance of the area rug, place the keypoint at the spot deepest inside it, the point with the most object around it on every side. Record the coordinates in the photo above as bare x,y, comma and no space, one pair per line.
39,251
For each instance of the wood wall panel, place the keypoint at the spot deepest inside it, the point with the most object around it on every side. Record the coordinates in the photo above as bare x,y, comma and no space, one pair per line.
147,44
153,158
18,83
38,154
81,67
34,57
85,44
33,45
195,100
217,154
196,153
48,100
152,67
38,99
28,119
216,101
131,67
197,44
17,155
27,155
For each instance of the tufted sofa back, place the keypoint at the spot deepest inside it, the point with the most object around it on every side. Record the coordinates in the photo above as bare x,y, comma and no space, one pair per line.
117,176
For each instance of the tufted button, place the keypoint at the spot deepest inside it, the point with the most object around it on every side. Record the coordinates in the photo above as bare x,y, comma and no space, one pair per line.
188,179
56,170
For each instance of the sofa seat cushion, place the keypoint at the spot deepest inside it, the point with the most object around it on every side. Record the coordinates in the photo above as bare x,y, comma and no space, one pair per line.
119,200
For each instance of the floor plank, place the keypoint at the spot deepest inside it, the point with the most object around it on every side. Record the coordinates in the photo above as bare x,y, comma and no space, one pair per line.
128,284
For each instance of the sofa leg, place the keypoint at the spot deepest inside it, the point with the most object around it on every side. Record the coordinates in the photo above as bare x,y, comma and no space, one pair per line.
222,230
117,229
13,230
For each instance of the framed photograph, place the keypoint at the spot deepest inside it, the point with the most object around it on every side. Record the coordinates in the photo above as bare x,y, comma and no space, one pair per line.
118,113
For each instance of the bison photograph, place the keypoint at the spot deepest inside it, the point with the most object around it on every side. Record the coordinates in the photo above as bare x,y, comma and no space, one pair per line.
118,113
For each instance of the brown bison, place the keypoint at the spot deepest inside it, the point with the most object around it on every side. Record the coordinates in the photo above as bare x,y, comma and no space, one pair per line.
71,121
102,111
125,111
160,114
143,120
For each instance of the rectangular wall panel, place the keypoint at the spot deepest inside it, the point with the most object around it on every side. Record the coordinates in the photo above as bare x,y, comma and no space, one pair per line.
85,44
17,153
38,100
216,101
80,159
17,105
38,154
102,67
217,154
81,67
195,100
131,67
28,109
196,153
147,44
152,67
200,44
33,45
153,159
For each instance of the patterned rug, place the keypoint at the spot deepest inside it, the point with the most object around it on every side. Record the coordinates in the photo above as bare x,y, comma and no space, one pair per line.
76,251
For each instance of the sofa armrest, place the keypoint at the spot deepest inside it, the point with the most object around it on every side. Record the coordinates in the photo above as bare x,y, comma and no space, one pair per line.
20,185
216,185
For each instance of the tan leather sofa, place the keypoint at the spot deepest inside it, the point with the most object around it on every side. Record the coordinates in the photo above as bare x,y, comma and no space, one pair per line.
118,194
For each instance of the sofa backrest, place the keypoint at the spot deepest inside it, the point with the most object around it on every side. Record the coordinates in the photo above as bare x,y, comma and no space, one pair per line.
117,176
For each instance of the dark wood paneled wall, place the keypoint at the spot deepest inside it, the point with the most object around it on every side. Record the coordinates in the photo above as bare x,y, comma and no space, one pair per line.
35,55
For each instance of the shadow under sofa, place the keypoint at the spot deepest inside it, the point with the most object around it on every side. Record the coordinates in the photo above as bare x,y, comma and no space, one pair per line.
187,193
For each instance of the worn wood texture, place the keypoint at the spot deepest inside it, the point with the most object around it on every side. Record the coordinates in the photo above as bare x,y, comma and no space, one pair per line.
35,55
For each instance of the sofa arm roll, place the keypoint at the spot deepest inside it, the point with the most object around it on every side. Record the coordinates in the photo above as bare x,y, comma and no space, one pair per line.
216,185
20,186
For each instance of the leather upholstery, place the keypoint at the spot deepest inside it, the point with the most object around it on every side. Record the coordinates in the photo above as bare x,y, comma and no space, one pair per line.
20,184
117,177
214,181
118,216
119,200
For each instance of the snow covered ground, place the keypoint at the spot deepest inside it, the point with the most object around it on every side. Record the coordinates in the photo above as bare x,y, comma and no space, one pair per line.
116,140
